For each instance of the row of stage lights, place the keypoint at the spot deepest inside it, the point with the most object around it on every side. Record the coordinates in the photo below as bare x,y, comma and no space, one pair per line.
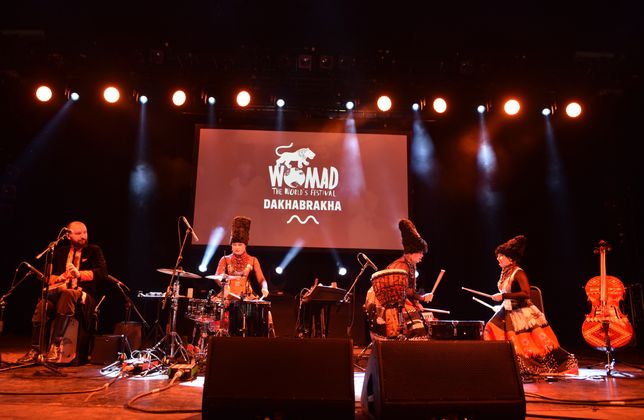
179,98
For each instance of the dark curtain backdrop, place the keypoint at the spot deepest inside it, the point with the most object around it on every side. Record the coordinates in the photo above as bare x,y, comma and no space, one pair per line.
80,167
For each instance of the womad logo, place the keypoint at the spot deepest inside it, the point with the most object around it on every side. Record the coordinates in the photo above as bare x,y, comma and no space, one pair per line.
294,177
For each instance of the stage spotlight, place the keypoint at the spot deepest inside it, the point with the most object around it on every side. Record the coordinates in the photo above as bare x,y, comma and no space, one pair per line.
243,98
44,93
143,99
546,112
280,103
111,95
279,270
74,96
211,100
179,98
439,105
481,109
342,271
349,105
573,109
203,267
384,103
511,107
415,106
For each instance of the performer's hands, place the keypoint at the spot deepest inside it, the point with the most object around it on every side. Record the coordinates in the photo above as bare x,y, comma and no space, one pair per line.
428,297
72,271
264,293
497,297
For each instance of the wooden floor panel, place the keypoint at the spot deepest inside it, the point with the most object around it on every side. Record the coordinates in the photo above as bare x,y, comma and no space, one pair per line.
36,392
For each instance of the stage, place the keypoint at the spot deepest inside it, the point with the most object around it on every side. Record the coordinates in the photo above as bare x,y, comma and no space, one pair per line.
86,393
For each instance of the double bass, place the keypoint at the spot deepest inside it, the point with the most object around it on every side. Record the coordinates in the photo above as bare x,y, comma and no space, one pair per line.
605,327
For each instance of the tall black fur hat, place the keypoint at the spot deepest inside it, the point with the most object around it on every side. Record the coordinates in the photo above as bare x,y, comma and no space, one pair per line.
513,248
241,230
411,240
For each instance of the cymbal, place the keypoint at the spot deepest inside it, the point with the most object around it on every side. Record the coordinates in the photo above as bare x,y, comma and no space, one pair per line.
180,273
223,277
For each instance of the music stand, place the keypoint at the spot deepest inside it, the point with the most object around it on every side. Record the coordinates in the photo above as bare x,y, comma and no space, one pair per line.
317,308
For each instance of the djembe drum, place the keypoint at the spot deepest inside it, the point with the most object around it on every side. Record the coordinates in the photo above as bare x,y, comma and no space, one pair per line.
390,288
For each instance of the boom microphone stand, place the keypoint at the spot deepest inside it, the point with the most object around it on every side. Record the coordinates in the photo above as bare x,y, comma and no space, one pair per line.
45,276
128,302
347,296
176,346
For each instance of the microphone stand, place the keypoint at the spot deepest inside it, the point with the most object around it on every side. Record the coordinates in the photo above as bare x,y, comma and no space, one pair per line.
347,296
3,298
175,341
129,304
49,260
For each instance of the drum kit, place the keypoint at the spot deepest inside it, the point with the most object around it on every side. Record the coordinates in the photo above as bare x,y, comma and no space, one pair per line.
227,312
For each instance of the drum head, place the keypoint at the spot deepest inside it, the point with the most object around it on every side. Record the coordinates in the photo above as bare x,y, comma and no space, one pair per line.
390,287
388,272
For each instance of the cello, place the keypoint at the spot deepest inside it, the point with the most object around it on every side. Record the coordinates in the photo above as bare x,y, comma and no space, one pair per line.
605,327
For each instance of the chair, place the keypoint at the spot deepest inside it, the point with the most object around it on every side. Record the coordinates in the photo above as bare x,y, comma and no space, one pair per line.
536,298
78,333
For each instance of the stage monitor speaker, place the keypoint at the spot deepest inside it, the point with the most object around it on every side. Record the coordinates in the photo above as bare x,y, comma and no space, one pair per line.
255,377
442,379
133,331
106,348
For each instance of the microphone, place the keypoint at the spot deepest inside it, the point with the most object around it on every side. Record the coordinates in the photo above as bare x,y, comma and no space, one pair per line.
117,281
33,269
66,230
368,261
194,235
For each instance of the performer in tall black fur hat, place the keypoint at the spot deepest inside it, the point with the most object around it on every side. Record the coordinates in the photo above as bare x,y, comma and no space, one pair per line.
386,321
521,322
243,279
240,264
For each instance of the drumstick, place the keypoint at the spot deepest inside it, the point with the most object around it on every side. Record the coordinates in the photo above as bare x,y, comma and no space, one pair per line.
438,280
477,292
440,311
483,303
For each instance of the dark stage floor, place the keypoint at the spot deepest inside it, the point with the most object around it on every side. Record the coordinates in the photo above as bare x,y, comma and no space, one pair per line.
85,393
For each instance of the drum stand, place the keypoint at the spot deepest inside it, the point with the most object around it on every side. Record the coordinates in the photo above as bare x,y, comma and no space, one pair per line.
202,341
176,346
222,331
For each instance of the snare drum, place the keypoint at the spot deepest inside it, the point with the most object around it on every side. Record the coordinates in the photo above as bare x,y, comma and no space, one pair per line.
248,318
390,287
455,330
201,310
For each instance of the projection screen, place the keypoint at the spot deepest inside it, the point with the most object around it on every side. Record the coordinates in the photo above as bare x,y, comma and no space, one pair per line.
309,189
